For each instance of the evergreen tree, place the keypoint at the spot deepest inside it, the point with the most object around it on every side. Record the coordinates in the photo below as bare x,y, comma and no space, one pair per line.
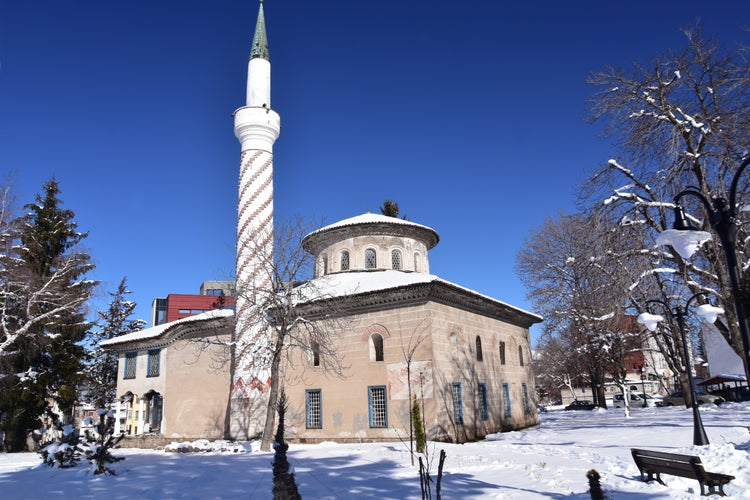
419,432
102,373
42,298
284,485
389,208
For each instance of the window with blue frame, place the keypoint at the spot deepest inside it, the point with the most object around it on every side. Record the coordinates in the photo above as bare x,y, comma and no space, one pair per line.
506,399
458,404
153,363
526,403
482,401
313,409
377,406
130,360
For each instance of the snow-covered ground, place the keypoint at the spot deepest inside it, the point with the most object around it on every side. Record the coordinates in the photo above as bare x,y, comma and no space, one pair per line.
549,461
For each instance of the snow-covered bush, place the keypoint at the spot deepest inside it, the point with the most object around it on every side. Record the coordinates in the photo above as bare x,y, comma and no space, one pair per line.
65,450
101,441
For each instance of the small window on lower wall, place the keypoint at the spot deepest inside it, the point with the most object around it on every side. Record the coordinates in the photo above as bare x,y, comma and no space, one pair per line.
482,401
506,399
377,406
313,409
458,404
526,402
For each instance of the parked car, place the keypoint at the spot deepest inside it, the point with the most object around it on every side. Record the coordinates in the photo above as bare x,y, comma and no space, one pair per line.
636,400
581,404
678,398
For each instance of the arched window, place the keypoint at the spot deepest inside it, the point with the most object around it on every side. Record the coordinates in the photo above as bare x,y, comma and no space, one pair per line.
502,353
376,347
371,260
345,260
315,350
416,262
520,355
396,260
479,349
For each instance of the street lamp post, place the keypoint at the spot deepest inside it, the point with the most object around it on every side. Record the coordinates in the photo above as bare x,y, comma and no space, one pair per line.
709,313
722,215
642,369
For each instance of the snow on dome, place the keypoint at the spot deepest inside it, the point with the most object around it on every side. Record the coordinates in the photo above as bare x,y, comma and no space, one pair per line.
365,222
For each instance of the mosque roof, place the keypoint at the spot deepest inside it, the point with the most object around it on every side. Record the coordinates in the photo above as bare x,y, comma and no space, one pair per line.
369,224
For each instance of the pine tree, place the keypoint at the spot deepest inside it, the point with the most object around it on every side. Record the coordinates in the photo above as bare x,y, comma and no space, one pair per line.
42,293
389,208
102,373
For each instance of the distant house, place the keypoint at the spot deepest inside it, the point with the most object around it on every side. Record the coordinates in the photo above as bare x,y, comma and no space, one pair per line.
471,373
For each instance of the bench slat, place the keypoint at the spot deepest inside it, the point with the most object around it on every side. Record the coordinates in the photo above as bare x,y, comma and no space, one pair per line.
652,463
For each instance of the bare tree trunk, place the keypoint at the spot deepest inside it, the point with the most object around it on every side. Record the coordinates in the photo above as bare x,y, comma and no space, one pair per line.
273,397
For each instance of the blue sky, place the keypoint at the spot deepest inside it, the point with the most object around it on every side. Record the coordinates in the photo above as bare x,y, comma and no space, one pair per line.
469,114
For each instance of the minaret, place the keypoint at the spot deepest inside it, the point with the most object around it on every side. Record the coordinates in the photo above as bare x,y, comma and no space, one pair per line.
257,126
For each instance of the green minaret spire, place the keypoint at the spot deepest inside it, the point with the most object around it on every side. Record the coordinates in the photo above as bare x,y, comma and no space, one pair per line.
260,42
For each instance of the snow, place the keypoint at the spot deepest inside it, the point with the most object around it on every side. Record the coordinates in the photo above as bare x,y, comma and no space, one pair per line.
548,461
156,331
360,282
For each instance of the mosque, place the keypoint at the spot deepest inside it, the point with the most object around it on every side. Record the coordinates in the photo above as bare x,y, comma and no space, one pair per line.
408,334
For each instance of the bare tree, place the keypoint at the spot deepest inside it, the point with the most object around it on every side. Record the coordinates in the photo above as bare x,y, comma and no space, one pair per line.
681,120
578,271
294,316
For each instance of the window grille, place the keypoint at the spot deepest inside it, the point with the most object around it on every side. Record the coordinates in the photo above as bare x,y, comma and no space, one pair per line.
506,399
314,409
482,401
458,410
377,406
526,404
396,260
130,360
345,260
153,363
371,261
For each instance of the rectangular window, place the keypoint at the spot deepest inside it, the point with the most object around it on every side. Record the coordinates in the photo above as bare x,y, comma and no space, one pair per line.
526,404
153,363
313,409
482,401
506,399
378,408
458,410
130,359
502,353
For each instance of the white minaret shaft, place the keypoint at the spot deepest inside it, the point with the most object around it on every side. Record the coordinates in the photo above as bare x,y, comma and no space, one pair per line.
256,126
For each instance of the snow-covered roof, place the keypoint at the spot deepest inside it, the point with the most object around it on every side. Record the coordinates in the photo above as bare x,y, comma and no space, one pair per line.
368,223
158,330
360,282
369,218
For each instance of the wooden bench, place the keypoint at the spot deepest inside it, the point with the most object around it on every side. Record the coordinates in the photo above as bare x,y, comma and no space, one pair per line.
654,463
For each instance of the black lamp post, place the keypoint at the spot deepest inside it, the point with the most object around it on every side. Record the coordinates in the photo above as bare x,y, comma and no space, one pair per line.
642,369
650,321
722,215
